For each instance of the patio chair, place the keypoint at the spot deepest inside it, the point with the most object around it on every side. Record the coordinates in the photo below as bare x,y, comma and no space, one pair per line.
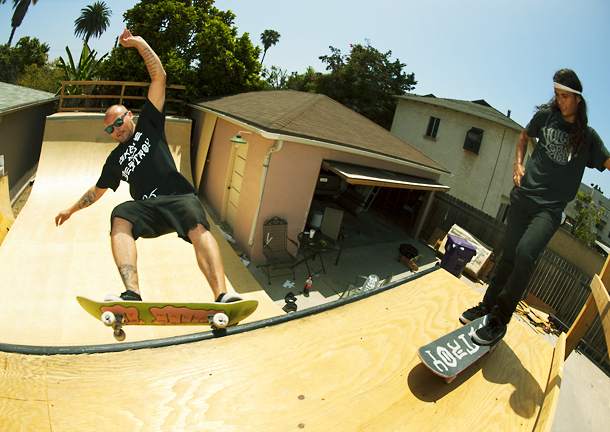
275,248
331,226
366,283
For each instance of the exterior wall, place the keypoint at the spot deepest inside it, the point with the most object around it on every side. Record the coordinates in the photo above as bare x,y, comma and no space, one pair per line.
575,251
21,133
484,180
603,229
290,182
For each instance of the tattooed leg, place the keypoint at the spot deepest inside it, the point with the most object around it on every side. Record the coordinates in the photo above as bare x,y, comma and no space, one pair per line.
125,253
129,275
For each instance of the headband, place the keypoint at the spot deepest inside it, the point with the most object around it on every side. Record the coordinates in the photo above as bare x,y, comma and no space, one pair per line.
566,88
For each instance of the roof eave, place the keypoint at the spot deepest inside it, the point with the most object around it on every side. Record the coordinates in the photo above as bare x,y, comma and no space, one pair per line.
516,128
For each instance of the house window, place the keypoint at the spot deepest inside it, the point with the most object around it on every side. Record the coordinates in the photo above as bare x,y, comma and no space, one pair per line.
473,140
432,127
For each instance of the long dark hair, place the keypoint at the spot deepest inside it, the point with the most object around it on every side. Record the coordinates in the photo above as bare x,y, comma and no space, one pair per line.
578,134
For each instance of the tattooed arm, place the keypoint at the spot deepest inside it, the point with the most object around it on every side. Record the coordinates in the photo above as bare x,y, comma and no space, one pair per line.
156,91
91,196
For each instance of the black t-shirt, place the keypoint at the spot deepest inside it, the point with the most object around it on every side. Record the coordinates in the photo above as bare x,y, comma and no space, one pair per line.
553,175
145,161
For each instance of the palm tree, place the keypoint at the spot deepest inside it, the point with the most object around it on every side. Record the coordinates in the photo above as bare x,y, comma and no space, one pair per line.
21,8
93,21
269,38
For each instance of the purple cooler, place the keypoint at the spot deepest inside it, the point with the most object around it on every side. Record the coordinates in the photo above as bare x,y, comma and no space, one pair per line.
458,253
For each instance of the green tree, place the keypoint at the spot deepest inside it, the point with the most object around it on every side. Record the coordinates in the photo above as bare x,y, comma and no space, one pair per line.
21,8
586,218
14,61
199,48
46,78
365,81
93,21
303,82
275,78
269,38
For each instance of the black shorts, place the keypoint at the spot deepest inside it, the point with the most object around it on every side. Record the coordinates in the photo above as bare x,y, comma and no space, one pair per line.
155,217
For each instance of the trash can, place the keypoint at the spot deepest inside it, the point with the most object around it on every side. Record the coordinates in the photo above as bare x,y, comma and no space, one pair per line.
316,220
458,253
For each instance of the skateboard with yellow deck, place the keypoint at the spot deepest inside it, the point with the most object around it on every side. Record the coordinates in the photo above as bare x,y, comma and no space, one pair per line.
117,314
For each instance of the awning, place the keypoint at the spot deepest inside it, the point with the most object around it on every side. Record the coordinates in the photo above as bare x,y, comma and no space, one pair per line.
361,175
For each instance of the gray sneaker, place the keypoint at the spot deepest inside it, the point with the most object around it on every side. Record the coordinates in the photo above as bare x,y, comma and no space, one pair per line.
491,332
473,313
229,297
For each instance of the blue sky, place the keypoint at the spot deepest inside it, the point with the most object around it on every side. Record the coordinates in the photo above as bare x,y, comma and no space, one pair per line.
505,52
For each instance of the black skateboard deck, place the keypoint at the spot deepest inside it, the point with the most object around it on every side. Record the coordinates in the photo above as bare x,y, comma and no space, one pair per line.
452,353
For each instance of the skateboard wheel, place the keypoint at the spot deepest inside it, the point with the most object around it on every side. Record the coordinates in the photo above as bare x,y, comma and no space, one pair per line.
108,318
220,320
120,335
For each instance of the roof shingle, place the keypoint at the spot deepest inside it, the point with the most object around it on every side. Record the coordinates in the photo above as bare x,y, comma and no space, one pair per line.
316,117
13,96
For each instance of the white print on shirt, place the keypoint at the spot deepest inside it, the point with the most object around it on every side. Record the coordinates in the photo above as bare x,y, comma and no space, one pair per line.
557,145
151,195
133,156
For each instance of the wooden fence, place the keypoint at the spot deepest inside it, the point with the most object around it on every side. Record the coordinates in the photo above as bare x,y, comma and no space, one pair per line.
447,211
98,96
556,281
565,288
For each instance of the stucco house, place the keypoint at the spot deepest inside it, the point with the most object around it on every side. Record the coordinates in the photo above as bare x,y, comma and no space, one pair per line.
23,113
473,140
600,203
295,144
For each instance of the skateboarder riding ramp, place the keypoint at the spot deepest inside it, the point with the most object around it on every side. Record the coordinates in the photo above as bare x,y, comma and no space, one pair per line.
347,366
43,267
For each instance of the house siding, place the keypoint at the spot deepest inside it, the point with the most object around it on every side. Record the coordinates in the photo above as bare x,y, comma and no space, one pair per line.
484,180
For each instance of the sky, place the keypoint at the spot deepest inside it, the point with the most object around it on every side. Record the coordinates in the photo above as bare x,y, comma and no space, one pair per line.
505,52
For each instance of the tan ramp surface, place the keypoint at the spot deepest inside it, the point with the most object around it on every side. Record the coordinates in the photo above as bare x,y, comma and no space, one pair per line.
352,368
43,267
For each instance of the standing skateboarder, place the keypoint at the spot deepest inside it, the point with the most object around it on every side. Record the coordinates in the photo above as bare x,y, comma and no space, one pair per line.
566,145
163,200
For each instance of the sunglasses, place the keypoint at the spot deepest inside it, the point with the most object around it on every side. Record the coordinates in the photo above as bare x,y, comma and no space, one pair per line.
117,123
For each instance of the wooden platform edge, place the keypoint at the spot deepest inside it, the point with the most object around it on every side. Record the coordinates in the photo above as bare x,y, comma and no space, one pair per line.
598,302
553,386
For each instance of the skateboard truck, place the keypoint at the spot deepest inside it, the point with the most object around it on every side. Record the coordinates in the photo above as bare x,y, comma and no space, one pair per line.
217,321
116,322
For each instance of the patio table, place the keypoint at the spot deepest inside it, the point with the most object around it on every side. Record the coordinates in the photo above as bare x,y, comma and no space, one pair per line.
313,247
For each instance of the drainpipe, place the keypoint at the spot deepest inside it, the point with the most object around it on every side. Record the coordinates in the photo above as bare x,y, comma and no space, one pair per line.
275,148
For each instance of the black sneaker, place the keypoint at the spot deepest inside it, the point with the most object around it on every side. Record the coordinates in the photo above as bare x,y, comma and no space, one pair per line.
229,297
126,296
473,313
491,332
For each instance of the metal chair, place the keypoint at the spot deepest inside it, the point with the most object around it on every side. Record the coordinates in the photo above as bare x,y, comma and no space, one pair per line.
366,283
275,248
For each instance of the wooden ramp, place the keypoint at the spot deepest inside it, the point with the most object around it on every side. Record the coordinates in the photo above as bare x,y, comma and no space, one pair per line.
43,268
351,368
347,366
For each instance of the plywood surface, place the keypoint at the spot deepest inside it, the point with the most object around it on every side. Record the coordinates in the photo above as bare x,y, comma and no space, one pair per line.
6,212
354,368
43,267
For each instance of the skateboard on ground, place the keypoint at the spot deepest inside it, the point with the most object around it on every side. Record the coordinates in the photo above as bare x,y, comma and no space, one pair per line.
117,314
452,353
